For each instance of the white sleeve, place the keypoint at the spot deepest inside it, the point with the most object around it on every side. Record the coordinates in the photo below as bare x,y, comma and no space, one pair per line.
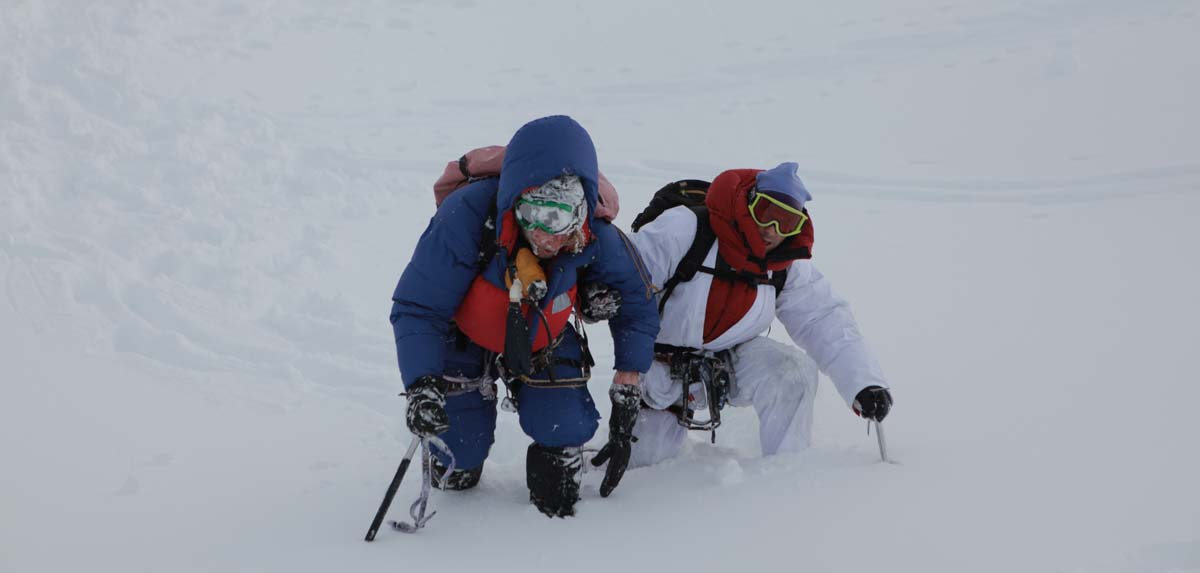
821,323
664,241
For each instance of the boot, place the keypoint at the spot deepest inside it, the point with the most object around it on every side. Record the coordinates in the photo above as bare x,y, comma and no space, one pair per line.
458,479
553,477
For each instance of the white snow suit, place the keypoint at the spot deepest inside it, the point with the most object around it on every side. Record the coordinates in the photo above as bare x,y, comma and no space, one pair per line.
778,379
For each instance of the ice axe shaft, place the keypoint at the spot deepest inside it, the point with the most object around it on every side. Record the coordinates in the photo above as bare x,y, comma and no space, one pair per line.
391,490
882,441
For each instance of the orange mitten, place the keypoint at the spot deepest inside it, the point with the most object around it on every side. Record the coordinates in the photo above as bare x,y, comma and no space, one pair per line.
530,273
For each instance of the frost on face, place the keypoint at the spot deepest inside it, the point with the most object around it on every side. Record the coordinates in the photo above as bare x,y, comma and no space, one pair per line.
558,206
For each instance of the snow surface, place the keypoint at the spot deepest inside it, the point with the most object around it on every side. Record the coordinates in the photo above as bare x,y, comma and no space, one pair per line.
204,207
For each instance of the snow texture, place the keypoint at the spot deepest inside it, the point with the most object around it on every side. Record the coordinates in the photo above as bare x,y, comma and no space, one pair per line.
204,207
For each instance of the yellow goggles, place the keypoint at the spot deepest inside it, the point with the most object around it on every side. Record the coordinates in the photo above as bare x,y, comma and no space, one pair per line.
767,211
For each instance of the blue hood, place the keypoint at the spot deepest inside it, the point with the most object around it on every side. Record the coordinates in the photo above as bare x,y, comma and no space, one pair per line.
542,150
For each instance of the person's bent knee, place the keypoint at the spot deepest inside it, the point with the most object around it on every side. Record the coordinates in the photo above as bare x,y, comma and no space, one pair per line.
554,433
800,372
558,417
472,431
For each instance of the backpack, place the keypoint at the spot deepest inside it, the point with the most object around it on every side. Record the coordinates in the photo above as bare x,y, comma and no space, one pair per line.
691,193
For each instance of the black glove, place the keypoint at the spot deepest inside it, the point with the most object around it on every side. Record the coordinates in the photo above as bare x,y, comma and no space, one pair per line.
626,401
873,403
598,301
427,407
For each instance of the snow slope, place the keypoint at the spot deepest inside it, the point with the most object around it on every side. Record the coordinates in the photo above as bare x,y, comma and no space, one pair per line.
204,208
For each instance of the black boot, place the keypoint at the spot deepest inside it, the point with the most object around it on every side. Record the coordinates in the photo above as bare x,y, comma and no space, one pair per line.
458,479
553,478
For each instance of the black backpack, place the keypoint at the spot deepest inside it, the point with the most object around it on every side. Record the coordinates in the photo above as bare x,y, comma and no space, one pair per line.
691,194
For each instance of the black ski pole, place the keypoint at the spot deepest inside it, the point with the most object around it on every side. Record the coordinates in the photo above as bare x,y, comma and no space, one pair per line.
391,490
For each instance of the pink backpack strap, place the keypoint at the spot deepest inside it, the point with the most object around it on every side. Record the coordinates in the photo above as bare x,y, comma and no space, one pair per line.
480,162
608,205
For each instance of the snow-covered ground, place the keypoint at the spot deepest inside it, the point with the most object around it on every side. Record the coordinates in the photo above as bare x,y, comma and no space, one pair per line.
204,207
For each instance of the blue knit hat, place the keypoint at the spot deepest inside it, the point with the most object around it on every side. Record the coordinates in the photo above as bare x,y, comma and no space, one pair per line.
782,183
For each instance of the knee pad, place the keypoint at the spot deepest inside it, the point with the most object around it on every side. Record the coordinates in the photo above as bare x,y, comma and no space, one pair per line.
552,475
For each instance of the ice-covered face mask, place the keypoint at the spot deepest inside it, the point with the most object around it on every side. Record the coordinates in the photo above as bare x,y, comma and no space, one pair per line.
557,207
549,216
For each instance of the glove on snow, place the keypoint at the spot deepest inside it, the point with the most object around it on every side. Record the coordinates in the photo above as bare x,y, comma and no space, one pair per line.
626,402
427,407
599,302
873,403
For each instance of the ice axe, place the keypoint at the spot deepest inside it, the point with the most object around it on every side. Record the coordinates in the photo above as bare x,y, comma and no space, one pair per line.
883,453
874,415
391,490
882,442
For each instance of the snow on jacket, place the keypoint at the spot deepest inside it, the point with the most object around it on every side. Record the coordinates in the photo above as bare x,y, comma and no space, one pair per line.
443,271
818,320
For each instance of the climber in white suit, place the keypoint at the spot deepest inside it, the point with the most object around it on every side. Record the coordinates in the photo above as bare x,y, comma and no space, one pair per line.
711,350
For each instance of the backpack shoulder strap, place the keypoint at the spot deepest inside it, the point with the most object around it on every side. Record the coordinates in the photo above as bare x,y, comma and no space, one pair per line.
693,260
487,245
778,279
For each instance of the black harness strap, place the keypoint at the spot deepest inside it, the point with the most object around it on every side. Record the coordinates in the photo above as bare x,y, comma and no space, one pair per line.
693,262
669,349
726,272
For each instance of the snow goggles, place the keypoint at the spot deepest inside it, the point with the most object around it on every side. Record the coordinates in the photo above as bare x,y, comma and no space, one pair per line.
767,211
550,216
